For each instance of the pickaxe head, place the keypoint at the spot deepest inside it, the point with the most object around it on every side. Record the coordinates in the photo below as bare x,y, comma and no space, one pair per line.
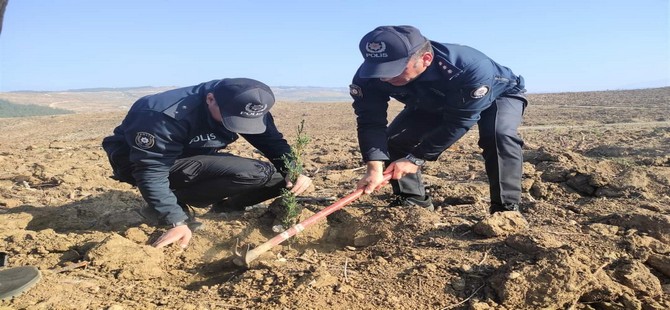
240,254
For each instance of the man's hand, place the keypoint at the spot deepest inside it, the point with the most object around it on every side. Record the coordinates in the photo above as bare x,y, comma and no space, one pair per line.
400,168
373,178
181,233
301,184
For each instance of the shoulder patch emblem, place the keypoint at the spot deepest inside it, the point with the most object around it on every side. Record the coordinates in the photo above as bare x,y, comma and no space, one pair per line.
145,140
355,90
479,92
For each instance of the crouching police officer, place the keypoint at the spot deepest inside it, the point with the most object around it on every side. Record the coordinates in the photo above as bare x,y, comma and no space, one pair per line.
168,146
446,89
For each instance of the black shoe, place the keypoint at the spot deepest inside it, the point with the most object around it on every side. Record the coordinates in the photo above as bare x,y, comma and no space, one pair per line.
224,206
410,201
194,225
227,206
151,216
503,207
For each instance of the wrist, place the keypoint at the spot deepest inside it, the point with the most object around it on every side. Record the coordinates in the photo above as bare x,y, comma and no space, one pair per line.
375,165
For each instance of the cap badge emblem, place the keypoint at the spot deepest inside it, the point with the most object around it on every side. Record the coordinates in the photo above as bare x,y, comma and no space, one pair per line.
254,109
375,47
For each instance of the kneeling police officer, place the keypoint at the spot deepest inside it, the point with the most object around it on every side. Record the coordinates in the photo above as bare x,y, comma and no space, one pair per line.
169,146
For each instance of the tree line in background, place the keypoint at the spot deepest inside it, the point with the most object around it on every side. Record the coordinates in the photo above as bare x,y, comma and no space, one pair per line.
8,109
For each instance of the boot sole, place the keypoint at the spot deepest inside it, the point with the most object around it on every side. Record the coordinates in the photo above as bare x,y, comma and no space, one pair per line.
17,280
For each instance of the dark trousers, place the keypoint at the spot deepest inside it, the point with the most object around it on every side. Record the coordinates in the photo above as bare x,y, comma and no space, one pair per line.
206,179
498,138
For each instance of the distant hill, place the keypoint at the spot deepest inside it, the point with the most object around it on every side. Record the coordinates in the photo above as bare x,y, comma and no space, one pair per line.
119,89
311,94
120,99
104,99
83,100
8,109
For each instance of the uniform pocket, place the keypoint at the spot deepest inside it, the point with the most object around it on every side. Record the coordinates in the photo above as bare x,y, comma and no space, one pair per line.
185,171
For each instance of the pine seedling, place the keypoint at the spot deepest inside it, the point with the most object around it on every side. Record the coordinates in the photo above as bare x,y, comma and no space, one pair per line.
294,167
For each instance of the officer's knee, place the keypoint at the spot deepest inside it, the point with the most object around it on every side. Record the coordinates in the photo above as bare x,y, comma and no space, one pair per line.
276,179
260,174
500,140
267,170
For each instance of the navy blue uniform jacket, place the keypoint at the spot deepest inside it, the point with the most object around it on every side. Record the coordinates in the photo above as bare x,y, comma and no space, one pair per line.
161,128
459,84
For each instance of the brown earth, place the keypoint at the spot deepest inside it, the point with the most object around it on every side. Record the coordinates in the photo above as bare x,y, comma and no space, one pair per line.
595,231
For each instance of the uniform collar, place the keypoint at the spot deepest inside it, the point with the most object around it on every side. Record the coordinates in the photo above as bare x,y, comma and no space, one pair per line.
441,61
432,73
439,69
445,67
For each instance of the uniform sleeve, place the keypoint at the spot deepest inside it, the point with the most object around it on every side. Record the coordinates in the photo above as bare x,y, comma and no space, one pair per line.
370,106
155,143
462,112
271,143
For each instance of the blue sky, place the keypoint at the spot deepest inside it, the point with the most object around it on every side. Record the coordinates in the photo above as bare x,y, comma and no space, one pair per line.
568,45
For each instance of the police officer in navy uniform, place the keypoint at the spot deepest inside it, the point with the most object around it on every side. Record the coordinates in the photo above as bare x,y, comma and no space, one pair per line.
446,89
169,145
